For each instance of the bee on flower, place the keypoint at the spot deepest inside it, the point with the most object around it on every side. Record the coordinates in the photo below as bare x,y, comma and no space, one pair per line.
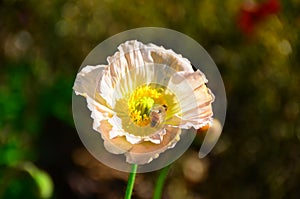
157,115
143,98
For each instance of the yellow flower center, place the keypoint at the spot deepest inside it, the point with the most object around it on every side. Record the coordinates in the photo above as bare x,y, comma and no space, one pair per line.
135,107
141,101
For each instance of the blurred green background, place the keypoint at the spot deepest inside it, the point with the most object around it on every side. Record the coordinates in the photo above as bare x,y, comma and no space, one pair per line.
257,50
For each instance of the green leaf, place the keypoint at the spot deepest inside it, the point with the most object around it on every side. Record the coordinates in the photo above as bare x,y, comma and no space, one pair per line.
42,179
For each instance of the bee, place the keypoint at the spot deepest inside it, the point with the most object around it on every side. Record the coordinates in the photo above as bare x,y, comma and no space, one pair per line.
157,114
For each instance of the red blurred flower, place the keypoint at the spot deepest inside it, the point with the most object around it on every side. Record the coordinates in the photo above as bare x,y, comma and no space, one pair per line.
253,13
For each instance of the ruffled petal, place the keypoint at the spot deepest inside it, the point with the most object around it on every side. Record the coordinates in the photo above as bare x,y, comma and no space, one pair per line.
171,59
147,151
118,131
134,55
128,57
157,137
142,152
88,79
86,83
116,145
194,97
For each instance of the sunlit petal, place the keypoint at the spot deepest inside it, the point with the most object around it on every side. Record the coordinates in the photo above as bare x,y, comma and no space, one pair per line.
147,151
86,83
194,97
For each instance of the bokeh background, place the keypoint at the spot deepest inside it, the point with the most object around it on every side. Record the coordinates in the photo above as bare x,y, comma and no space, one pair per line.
256,45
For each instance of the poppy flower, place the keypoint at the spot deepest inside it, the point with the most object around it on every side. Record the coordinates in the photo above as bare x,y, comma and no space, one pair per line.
142,98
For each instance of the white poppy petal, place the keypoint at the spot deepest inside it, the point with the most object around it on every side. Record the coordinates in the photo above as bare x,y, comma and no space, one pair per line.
132,139
98,112
157,137
147,151
118,131
112,148
96,115
117,145
88,79
85,85
134,55
194,97
171,59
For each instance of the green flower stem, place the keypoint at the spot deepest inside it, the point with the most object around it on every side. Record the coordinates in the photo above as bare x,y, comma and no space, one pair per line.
160,182
131,179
